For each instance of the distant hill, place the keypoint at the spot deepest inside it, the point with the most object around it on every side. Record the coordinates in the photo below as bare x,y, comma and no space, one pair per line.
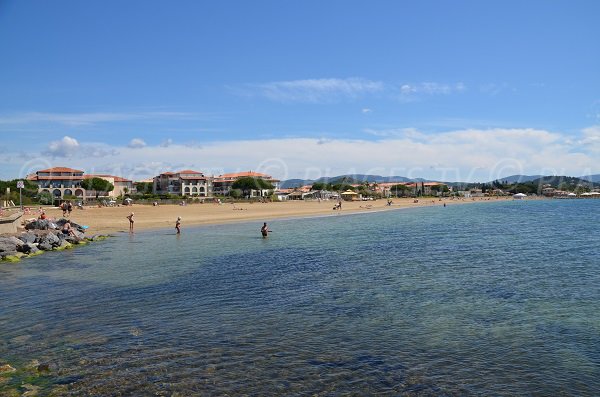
292,183
567,182
518,179
350,179
592,178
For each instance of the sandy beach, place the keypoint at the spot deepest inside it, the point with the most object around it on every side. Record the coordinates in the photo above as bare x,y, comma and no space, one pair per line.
106,220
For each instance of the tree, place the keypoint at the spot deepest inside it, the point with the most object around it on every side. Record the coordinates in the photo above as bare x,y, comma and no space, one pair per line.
99,185
247,183
45,198
144,187
319,186
400,190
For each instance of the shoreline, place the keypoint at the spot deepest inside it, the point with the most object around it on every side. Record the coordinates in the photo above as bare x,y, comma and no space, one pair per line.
109,220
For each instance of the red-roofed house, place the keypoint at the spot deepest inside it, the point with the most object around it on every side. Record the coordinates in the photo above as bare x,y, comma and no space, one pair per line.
183,183
60,182
222,183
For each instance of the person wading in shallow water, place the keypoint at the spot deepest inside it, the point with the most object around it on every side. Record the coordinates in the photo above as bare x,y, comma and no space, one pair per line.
178,225
130,217
264,230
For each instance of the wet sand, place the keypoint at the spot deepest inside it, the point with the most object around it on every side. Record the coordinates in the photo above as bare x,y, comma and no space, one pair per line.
107,220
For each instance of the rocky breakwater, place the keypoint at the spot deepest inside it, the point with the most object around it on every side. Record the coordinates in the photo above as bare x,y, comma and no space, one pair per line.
42,235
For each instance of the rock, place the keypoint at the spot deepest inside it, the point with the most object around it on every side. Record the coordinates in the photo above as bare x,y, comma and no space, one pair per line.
10,257
38,224
45,245
73,239
6,368
32,365
7,247
11,393
31,390
29,248
48,240
28,237
44,367
12,240
53,239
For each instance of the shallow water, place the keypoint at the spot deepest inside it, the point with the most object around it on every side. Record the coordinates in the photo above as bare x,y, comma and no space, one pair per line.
485,299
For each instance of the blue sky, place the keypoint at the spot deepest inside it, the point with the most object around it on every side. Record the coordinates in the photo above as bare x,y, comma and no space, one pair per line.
462,90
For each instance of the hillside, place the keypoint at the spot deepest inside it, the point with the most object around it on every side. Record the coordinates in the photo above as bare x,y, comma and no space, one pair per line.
350,179
592,178
518,179
562,182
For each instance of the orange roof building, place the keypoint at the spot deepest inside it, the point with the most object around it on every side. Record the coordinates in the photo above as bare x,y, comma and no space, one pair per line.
65,183
222,184
183,183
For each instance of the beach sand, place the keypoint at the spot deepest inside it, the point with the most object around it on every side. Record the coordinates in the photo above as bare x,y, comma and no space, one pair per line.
108,220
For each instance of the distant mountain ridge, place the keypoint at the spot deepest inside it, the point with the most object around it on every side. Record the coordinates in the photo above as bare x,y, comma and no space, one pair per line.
351,179
591,178
512,179
518,178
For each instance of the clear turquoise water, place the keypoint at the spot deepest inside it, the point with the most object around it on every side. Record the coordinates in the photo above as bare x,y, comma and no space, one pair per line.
497,299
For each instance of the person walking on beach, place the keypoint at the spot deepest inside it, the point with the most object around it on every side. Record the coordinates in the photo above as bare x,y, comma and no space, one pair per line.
130,217
69,208
178,225
264,230
63,207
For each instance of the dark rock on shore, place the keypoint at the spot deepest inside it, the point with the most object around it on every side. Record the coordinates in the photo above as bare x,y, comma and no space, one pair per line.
42,235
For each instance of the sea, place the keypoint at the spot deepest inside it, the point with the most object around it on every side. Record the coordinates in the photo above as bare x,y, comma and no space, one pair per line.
485,299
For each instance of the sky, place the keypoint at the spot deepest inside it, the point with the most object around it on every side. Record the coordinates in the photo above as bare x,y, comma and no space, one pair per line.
450,91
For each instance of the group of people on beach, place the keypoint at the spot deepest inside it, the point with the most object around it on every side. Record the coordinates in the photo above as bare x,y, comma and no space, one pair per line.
132,221
264,230
67,208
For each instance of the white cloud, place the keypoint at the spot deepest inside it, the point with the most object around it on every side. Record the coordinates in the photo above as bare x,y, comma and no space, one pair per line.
431,88
317,90
71,148
136,143
85,119
66,147
366,110
466,155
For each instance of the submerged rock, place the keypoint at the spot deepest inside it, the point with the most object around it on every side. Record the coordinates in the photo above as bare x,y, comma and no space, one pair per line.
31,390
6,368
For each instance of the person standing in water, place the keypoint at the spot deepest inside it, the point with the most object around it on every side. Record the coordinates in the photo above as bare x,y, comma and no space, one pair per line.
178,225
130,217
264,230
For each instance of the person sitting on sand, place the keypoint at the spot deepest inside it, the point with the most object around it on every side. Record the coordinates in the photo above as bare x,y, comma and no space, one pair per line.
42,215
178,225
130,217
264,230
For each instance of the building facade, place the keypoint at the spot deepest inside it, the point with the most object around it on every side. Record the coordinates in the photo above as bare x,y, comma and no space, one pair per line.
60,182
183,183
66,183
222,184
122,186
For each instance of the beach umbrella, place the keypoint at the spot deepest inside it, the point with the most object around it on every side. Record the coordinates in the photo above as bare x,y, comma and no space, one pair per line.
349,192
